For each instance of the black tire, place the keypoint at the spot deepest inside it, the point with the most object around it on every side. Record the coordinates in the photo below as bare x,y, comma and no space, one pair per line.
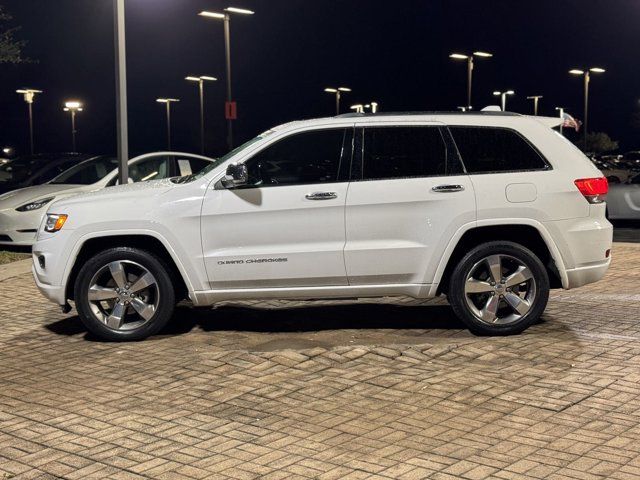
163,292
512,253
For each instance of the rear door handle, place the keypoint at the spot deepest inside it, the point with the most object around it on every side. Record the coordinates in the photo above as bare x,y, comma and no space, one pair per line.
447,188
321,196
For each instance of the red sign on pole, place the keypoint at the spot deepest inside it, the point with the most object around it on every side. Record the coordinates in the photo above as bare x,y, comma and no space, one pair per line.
230,111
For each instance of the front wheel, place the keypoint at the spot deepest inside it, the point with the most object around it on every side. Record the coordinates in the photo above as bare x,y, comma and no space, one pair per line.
124,294
499,288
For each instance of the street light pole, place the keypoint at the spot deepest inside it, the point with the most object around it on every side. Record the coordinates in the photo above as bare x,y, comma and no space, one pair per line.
470,66
226,18
73,107
122,127
587,79
168,102
338,93
201,80
227,53
29,94
535,99
503,98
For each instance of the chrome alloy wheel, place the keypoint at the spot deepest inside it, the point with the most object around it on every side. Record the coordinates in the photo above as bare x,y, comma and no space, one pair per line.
500,289
123,295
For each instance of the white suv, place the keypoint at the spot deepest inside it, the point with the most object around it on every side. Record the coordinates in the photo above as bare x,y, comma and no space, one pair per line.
491,209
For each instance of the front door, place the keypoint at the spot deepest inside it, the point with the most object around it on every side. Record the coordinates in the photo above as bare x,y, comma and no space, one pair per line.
408,198
286,228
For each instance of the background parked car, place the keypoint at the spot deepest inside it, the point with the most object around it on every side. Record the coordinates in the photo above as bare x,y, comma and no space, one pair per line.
632,161
623,200
614,167
37,169
21,211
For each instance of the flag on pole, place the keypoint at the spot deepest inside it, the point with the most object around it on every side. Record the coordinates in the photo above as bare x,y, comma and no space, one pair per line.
569,122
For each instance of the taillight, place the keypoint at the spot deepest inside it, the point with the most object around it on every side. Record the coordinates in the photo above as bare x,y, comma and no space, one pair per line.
594,189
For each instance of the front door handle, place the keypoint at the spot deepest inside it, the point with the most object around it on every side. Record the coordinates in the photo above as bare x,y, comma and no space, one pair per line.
321,196
447,188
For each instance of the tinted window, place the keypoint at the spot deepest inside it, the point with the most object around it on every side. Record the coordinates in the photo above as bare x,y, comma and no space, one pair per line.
53,171
486,149
401,152
190,166
310,157
87,172
154,168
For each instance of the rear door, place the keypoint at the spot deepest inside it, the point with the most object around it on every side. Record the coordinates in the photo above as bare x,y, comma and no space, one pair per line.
408,196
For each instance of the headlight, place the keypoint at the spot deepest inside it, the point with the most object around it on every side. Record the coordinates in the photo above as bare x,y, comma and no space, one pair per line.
54,222
34,205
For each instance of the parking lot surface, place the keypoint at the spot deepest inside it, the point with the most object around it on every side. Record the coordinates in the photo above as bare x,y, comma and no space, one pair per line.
333,391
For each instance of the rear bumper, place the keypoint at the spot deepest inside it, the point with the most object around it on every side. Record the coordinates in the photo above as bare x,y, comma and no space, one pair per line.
583,244
577,277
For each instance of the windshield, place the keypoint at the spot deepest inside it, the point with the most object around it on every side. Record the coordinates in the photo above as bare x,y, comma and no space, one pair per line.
87,173
36,169
221,160
18,170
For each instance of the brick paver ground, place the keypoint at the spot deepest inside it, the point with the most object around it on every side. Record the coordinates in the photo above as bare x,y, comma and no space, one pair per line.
347,391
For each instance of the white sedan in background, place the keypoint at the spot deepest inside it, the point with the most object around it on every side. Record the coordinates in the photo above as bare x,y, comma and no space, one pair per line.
623,200
21,211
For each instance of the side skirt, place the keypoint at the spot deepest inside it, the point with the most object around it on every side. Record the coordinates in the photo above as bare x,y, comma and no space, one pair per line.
210,297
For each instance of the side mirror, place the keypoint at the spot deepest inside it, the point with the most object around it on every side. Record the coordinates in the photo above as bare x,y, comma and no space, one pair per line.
129,180
236,176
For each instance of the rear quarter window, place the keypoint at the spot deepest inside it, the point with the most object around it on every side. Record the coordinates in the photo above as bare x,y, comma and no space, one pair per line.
492,149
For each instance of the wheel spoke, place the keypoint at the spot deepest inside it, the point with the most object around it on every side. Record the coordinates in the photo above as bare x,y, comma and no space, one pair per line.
490,310
145,310
477,286
518,304
143,282
117,316
97,293
521,275
118,273
494,262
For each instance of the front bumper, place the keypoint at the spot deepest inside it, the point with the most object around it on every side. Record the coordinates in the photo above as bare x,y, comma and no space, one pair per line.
55,293
19,229
17,239
50,258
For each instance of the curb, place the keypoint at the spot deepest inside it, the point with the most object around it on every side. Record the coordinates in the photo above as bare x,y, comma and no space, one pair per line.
15,269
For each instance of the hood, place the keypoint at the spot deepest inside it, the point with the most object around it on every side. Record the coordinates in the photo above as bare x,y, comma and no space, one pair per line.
132,192
22,196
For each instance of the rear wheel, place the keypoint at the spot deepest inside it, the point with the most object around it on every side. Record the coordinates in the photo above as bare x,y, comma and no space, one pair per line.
124,294
499,288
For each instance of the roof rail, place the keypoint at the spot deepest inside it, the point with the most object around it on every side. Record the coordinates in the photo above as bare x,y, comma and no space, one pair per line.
388,114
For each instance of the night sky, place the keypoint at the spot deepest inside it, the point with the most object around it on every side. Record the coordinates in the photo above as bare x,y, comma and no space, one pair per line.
391,51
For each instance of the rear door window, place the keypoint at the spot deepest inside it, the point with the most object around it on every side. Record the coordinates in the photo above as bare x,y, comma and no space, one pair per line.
403,152
489,149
